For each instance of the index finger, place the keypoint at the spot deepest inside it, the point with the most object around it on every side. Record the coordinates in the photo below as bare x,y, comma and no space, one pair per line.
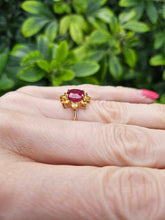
109,93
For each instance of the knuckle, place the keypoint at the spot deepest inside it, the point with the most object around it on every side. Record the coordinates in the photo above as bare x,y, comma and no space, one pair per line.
130,193
12,127
135,145
113,111
127,145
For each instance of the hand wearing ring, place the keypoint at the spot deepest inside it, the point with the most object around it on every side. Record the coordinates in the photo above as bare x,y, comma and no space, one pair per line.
75,98
107,165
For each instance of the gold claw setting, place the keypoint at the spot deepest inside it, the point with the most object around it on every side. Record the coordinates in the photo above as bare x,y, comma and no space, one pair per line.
75,99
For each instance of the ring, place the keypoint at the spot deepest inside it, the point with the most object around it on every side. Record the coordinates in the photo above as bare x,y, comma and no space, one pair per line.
75,98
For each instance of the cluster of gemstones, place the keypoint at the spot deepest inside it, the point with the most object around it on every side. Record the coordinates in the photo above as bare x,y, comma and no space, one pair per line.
75,98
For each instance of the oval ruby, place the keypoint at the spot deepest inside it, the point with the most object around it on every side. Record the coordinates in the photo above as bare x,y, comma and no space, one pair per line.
75,95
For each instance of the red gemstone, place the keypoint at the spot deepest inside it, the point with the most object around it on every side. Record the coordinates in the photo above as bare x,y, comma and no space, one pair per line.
75,95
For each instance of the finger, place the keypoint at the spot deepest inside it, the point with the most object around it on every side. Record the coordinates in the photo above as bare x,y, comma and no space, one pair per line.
151,116
110,93
82,143
38,191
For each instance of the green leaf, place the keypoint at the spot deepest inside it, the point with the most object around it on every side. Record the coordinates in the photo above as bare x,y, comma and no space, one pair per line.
136,26
53,64
61,7
76,32
67,75
3,59
128,3
80,52
97,24
102,2
52,51
115,45
163,11
94,5
114,25
159,40
71,59
152,12
31,74
51,31
56,81
20,50
43,45
62,52
5,82
126,16
44,65
85,68
33,25
157,60
31,58
130,56
105,14
80,6
37,8
64,24
139,9
133,42
99,37
96,55
115,66
78,19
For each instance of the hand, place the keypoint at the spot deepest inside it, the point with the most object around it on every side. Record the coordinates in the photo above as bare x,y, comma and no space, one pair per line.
35,141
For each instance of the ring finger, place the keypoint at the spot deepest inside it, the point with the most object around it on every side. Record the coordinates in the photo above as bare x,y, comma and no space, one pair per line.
109,93
151,116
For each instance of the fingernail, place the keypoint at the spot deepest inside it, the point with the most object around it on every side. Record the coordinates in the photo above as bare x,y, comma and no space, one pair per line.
149,94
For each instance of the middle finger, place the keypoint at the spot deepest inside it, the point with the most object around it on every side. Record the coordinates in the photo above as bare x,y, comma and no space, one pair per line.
83,143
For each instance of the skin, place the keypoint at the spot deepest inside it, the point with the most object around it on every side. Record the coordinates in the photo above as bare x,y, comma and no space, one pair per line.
107,165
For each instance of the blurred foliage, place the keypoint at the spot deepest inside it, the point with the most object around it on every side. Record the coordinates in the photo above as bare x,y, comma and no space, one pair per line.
10,19
66,42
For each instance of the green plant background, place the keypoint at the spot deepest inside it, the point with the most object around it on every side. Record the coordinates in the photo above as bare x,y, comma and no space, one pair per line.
66,42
